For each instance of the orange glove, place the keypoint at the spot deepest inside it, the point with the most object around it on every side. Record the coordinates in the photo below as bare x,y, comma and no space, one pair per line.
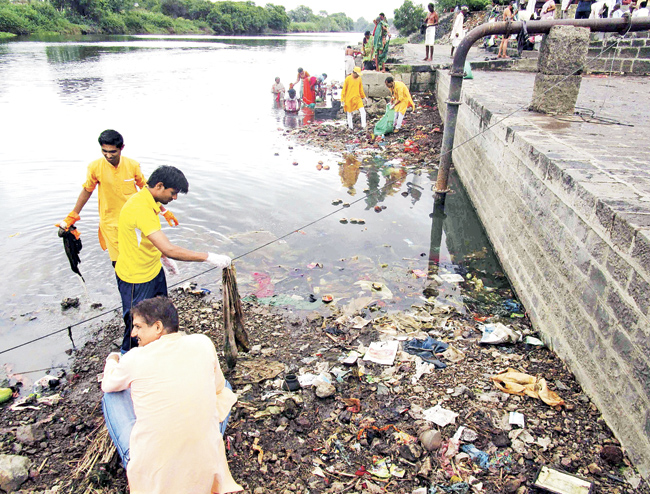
171,219
69,220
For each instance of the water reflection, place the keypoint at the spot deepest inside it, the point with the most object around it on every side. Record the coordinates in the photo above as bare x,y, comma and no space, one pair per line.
349,173
71,87
291,120
66,53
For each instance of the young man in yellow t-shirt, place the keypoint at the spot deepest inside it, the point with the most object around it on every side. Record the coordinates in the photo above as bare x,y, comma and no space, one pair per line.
400,100
117,177
139,272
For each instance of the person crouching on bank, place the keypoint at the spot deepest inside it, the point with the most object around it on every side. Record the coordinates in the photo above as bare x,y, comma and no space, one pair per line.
166,406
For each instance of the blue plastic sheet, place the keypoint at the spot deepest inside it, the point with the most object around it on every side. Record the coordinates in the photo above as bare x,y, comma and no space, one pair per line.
426,350
478,457
457,488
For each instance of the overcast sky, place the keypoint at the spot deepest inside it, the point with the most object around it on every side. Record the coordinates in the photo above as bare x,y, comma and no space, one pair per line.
352,8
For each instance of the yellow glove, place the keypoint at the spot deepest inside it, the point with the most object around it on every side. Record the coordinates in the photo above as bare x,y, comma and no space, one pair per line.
171,219
69,220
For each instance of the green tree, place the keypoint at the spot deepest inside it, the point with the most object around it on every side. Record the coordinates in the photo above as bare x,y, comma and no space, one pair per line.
362,25
344,22
473,5
174,8
198,9
302,13
278,18
408,17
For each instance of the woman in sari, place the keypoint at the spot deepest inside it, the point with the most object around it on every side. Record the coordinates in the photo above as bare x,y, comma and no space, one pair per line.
381,43
368,43
308,97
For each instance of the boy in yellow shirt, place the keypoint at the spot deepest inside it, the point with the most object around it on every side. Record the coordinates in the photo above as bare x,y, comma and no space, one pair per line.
353,97
139,272
401,100
117,177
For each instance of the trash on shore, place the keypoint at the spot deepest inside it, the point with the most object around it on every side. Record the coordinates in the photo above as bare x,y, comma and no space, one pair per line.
558,482
518,383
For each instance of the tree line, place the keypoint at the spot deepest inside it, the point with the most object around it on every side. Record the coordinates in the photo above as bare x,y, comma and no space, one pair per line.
162,16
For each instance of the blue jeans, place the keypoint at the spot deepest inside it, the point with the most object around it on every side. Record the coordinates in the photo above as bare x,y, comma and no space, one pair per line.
131,294
120,419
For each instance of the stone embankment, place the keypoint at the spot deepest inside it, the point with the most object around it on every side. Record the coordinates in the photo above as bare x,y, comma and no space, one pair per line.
566,204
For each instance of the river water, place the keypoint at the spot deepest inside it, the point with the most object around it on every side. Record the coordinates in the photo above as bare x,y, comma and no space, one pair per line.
202,104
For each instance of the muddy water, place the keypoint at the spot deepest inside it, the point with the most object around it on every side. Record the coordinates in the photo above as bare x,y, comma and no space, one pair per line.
203,105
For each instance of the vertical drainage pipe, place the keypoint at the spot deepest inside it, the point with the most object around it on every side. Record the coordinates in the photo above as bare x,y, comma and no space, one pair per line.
621,25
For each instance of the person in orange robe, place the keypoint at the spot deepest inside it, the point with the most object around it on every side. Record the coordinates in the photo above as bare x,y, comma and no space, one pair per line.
308,96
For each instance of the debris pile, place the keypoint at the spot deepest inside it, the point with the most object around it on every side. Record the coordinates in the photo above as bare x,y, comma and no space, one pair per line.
355,399
415,146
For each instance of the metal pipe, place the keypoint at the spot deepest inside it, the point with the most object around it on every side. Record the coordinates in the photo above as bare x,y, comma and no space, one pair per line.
620,25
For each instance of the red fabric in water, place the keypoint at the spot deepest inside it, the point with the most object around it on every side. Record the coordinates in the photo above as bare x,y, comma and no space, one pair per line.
308,96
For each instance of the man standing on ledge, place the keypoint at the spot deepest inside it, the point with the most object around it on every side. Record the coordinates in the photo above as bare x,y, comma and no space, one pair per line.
117,177
430,36
139,271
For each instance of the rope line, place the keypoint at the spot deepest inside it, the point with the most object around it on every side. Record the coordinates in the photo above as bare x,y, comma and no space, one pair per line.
70,326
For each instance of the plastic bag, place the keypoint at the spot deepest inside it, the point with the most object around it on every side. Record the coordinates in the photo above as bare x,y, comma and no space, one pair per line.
385,125
468,71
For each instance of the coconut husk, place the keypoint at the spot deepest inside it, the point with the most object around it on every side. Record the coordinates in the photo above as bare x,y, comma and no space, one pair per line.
235,334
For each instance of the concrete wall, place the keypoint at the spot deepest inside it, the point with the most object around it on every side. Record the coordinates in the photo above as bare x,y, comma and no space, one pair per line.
581,270
417,79
629,55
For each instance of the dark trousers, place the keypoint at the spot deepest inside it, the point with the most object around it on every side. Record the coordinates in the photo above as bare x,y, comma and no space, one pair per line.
131,294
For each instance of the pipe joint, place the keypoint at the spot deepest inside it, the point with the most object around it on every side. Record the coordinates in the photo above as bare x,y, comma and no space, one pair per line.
453,103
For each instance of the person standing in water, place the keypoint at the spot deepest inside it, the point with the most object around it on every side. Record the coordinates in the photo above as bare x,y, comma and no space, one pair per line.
116,178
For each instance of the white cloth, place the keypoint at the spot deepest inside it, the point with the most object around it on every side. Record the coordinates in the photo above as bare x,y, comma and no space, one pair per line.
640,13
349,65
548,14
430,37
399,118
524,15
362,113
457,32
597,9
617,14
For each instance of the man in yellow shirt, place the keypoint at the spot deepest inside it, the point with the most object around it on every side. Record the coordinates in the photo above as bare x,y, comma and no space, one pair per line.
401,100
117,177
353,97
139,272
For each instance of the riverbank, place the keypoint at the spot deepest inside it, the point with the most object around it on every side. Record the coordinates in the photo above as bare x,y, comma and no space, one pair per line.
191,17
364,427
363,433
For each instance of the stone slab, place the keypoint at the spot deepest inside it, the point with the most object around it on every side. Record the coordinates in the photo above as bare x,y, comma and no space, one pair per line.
555,94
563,50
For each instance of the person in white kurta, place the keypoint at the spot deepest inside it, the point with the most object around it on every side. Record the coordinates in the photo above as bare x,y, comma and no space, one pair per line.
179,398
457,32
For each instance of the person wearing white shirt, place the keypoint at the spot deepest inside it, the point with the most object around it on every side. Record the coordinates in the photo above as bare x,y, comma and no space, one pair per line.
642,11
